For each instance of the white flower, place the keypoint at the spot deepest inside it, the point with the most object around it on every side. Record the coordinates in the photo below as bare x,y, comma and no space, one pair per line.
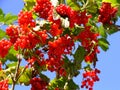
54,2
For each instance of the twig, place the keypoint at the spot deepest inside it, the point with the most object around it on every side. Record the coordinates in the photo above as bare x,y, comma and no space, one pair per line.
16,73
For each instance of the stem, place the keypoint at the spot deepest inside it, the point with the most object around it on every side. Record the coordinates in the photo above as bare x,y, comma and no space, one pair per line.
16,74
61,1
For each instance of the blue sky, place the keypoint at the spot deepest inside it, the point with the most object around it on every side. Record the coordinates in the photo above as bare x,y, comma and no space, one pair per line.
108,63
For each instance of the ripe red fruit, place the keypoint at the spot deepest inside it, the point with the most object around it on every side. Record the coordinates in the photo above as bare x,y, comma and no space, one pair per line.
107,12
4,84
4,47
89,77
43,7
38,84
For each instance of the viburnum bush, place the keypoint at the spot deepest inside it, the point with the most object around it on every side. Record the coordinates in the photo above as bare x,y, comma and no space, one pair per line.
61,36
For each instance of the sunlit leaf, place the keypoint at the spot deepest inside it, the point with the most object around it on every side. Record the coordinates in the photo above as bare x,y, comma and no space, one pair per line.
9,18
102,31
73,4
3,34
103,43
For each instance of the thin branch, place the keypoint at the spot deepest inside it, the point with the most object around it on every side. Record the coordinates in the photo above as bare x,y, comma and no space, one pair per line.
16,73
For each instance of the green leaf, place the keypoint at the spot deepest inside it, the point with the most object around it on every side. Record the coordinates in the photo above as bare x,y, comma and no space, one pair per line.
9,18
77,30
25,77
103,43
29,4
79,55
57,83
72,85
44,77
113,2
3,34
102,31
92,7
12,55
1,15
2,75
11,64
111,29
73,4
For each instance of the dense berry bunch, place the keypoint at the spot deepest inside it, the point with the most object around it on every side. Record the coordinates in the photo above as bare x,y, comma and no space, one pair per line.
107,12
55,30
38,84
89,77
4,47
62,45
13,33
4,85
43,7
74,16
25,18
30,40
89,42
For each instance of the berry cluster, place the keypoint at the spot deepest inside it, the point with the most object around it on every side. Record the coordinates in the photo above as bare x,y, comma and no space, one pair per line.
74,16
4,85
89,78
12,32
55,30
43,7
30,40
107,12
25,18
38,84
89,42
63,45
4,47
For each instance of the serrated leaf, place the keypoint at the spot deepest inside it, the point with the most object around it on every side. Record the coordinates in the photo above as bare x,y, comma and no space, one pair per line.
9,18
73,4
103,43
102,31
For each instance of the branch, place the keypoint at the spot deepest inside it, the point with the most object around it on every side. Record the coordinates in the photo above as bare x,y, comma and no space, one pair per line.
16,74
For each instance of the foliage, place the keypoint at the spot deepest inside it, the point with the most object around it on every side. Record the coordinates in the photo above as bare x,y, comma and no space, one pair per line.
56,36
